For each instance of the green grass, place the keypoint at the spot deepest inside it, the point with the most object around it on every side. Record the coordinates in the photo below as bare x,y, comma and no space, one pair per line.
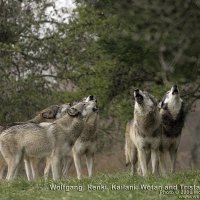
21,189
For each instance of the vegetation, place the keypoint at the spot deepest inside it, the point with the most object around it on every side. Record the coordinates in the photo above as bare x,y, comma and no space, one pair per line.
22,189
106,48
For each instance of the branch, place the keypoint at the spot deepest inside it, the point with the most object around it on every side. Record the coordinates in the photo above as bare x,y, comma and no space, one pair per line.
191,97
179,54
164,65
52,76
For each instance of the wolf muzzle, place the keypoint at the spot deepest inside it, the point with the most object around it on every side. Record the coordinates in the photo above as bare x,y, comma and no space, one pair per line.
175,89
138,97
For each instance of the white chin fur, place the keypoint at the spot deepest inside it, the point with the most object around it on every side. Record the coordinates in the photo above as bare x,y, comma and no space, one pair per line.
174,103
86,112
145,107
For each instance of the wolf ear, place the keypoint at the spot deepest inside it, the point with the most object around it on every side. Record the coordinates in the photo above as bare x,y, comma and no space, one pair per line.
160,105
50,113
73,112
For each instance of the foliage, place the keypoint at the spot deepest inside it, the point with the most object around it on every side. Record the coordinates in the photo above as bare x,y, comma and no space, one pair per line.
146,44
107,48
23,190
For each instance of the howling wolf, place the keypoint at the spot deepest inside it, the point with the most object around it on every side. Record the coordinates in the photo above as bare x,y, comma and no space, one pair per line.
172,122
144,132
35,141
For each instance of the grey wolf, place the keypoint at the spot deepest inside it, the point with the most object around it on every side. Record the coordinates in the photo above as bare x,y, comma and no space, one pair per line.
48,114
172,121
130,148
34,141
84,145
145,131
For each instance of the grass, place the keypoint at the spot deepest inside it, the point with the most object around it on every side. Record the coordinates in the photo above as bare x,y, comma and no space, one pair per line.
21,189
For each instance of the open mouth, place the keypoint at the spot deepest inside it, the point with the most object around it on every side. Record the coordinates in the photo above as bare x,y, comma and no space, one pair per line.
91,97
138,97
95,109
175,90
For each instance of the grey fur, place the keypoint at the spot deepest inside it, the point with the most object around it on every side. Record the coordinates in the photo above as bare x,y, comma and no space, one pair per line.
32,140
172,120
144,132
48,114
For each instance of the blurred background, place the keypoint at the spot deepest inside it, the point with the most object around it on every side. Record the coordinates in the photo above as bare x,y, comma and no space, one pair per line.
52,52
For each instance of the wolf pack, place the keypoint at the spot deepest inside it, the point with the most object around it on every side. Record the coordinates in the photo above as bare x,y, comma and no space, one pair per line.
154,132
62,134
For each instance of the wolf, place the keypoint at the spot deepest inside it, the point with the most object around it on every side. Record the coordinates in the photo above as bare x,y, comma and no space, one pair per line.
145,132
42,117
34,141
48,114
84,145
130,148
172,122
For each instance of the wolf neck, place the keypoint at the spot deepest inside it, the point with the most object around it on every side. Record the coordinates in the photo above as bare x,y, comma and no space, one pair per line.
92,119
39,119
69,127
89,132
147,121
68,120
174,107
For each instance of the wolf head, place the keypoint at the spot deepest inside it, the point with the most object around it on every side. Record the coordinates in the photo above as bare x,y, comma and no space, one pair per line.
89,98
92,99
144,102
54,112
172,102
62,110
85,108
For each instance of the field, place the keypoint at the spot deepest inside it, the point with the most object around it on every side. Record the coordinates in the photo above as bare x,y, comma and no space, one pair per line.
148,188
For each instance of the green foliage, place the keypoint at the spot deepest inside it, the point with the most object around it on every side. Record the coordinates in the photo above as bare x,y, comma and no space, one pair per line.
24,57
147,46
107,48
23,190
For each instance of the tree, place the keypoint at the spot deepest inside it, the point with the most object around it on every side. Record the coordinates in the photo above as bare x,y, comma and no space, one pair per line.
28,58
135,44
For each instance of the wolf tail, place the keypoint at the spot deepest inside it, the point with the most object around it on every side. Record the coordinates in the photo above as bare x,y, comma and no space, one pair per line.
127,132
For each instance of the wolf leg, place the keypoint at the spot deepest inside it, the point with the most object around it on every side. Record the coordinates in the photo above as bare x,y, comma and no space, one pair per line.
89,162
13,164
173,155
162,164
55,167
28,169
77,162
17,170
133,158
142,161
34,167
2,168
154,160
47,168
68,164
148,157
